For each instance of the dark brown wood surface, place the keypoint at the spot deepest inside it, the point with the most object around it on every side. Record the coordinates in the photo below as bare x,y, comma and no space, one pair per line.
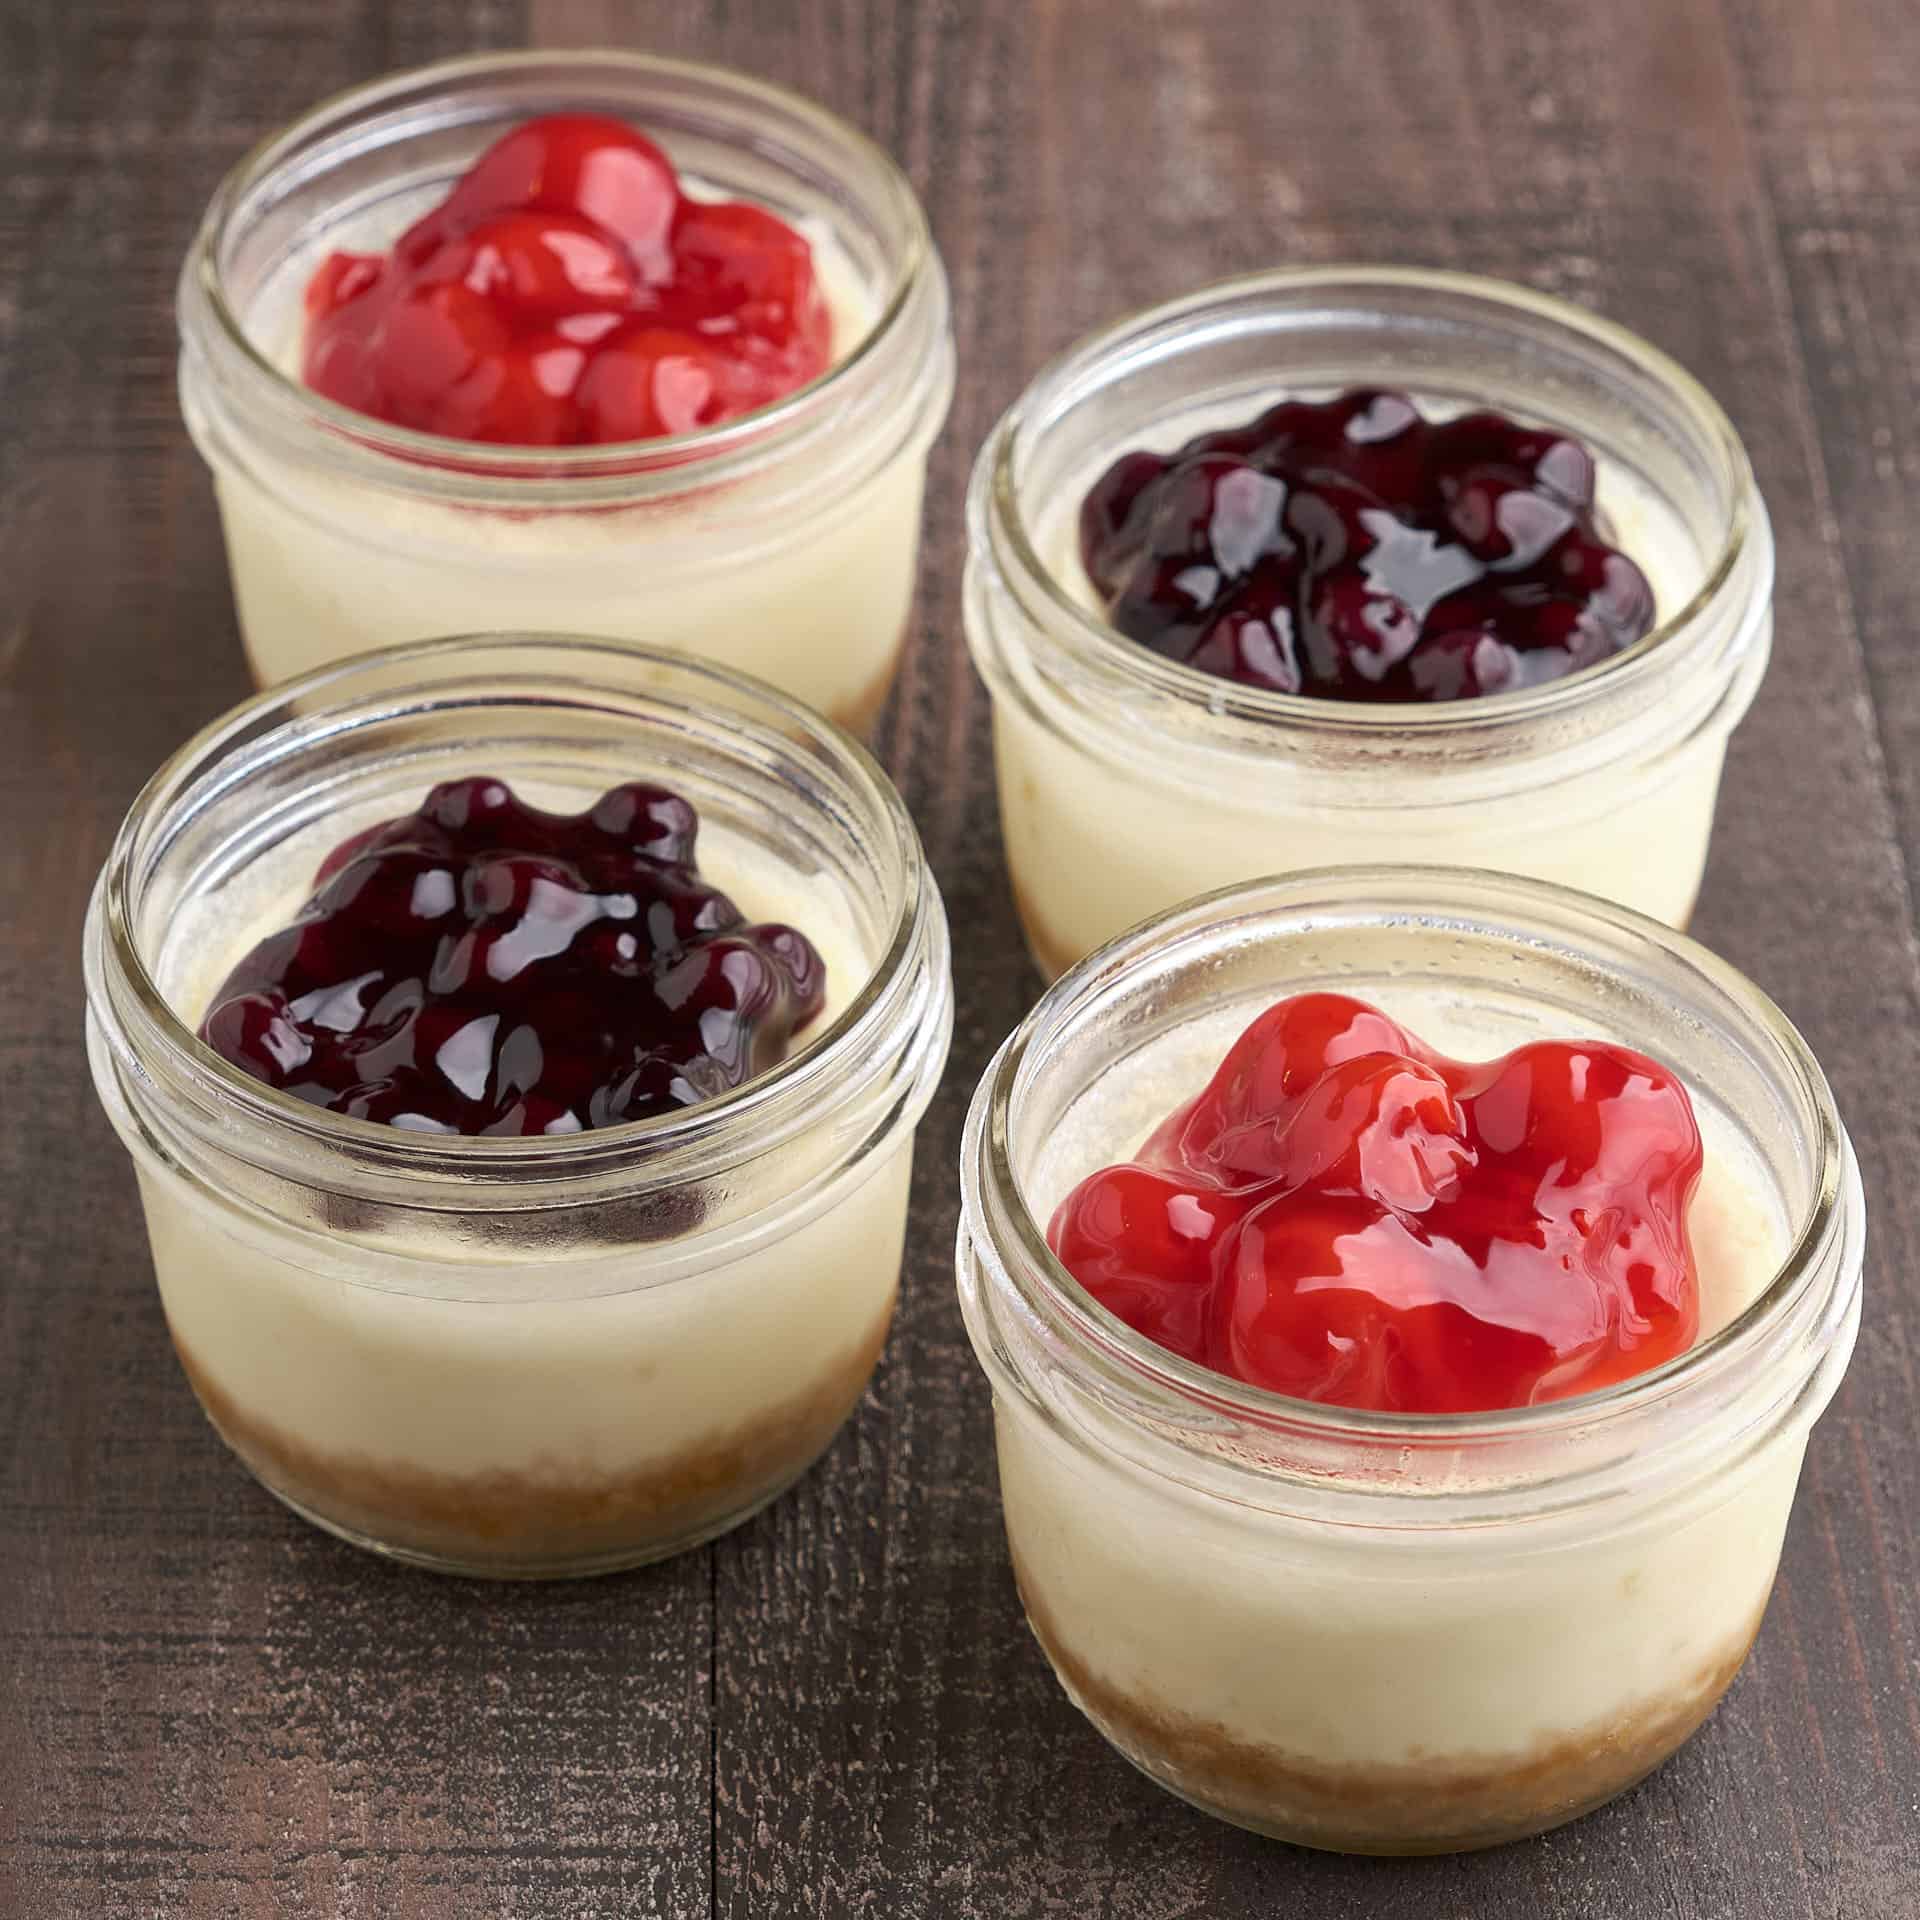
208,1709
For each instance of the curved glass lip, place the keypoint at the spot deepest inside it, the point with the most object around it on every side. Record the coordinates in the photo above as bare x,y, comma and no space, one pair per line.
1104,1331
1355,717
698,451
466,1155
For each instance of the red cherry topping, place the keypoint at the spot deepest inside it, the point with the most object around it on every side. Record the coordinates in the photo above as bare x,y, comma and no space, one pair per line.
739,269
1344,1215
566,292
565,163
482,966
1354,550
648,381
540,263
1144,1244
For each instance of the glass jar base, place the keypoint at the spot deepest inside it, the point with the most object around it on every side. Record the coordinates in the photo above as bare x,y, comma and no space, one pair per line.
859,715
1051,956
1364,1846
586,1567
502,1525
1427,1807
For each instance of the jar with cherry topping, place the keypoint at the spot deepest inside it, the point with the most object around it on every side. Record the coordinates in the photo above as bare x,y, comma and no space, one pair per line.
1392,1631
569,1340
781,541
1244,737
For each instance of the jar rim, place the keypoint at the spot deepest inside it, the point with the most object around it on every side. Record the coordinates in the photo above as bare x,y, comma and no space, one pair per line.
701,457
1385,895
1001,523
773,1104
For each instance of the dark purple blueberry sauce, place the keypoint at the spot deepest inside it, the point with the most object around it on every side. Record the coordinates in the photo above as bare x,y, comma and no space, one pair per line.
1353,549
484,967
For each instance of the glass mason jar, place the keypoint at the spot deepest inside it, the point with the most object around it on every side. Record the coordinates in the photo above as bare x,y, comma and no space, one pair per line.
783,543
549,1355
1129,781
1403,1633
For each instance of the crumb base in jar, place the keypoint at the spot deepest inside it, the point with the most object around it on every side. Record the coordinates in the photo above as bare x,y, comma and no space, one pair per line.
545,1521
1439,1804
858,715
541,1437
1050,954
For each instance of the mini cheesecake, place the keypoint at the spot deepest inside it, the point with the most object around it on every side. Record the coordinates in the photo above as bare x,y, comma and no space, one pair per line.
1238,600
397,1380
1360,1692
819,610
1323,568
573,386
1406,1295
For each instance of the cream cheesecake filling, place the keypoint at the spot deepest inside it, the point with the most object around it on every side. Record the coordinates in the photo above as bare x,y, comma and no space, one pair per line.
1099,839
814,600
601,1406
1392,1688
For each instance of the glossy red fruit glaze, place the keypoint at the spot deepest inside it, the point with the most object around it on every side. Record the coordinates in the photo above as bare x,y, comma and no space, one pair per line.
1344,1215
567,292
485,967
565,163
1354,550
1143,1242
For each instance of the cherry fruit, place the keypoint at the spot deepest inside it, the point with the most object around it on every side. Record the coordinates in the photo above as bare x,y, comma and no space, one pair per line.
1344,1215
568,292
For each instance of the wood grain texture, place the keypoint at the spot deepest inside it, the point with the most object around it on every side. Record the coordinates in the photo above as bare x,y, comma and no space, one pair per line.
208,1710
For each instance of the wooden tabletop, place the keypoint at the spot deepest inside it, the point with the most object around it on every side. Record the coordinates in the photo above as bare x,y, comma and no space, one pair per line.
209,1709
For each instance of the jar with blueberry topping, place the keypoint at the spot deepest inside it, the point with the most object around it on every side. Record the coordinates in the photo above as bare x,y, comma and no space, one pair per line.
520,1043
1346,565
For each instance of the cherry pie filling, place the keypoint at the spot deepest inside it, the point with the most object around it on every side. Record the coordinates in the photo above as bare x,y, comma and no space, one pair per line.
569,291
1345,1215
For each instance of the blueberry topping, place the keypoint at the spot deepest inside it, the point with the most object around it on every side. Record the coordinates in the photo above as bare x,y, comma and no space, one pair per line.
481,966
1353,549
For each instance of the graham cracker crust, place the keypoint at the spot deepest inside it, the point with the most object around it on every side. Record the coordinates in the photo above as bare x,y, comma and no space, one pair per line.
540,1522
1420,1806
